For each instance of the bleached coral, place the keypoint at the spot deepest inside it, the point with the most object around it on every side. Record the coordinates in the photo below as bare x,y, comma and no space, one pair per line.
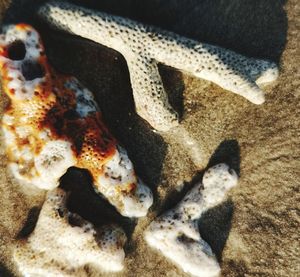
62,242
175,233
144,46
53,123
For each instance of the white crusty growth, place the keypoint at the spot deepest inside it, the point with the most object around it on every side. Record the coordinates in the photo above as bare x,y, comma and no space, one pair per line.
120,170
175,234
24,89
62,242
143,46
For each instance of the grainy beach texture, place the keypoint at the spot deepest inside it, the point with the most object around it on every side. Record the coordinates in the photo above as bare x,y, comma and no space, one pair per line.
256,231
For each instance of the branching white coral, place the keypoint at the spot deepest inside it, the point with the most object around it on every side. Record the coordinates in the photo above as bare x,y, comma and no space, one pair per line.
53,123
62,242
144,46
175,233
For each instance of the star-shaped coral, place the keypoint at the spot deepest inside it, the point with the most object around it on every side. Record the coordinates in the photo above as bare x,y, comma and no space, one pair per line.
144,46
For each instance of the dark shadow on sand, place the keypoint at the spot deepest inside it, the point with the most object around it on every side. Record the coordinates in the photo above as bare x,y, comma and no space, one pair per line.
30,223
227,152
215,225
256,28
4,271
83,200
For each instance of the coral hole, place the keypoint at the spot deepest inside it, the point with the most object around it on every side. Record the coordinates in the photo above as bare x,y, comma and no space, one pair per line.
32,70
16,50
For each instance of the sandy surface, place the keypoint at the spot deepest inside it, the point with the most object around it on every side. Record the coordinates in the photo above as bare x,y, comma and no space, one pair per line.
256,231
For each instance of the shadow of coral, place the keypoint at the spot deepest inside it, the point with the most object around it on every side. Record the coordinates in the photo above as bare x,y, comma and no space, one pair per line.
30,223
4,271
227,152
256,28
84,201
215,225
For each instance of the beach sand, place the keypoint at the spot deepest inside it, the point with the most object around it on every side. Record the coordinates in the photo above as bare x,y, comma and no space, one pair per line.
256,231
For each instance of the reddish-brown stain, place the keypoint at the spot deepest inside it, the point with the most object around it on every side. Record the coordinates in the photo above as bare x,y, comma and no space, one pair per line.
52,107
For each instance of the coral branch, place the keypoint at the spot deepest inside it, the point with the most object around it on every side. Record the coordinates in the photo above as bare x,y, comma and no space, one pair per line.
142,46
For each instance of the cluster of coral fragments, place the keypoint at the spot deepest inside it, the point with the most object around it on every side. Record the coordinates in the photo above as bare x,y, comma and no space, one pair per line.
53,123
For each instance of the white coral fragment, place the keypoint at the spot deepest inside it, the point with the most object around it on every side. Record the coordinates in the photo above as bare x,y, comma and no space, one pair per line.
144,46
62,242
175,233
132,199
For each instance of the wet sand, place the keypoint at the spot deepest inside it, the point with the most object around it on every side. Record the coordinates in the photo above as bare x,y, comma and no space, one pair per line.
256,231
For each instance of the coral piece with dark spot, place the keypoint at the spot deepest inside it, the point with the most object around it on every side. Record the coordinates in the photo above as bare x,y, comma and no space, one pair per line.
53,123
144,46
175,233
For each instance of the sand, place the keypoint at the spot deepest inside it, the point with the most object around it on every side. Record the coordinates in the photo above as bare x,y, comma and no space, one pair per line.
256,231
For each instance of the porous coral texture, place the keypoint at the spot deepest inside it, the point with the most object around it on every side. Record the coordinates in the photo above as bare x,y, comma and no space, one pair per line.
53,123
62,242
144,46
175,234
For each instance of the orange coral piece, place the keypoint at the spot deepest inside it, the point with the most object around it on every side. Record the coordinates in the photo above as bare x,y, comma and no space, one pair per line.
53,123
53,106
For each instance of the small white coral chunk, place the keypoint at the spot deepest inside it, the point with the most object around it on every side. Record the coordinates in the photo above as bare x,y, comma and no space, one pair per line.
62,242
175,233
137,204
122,188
